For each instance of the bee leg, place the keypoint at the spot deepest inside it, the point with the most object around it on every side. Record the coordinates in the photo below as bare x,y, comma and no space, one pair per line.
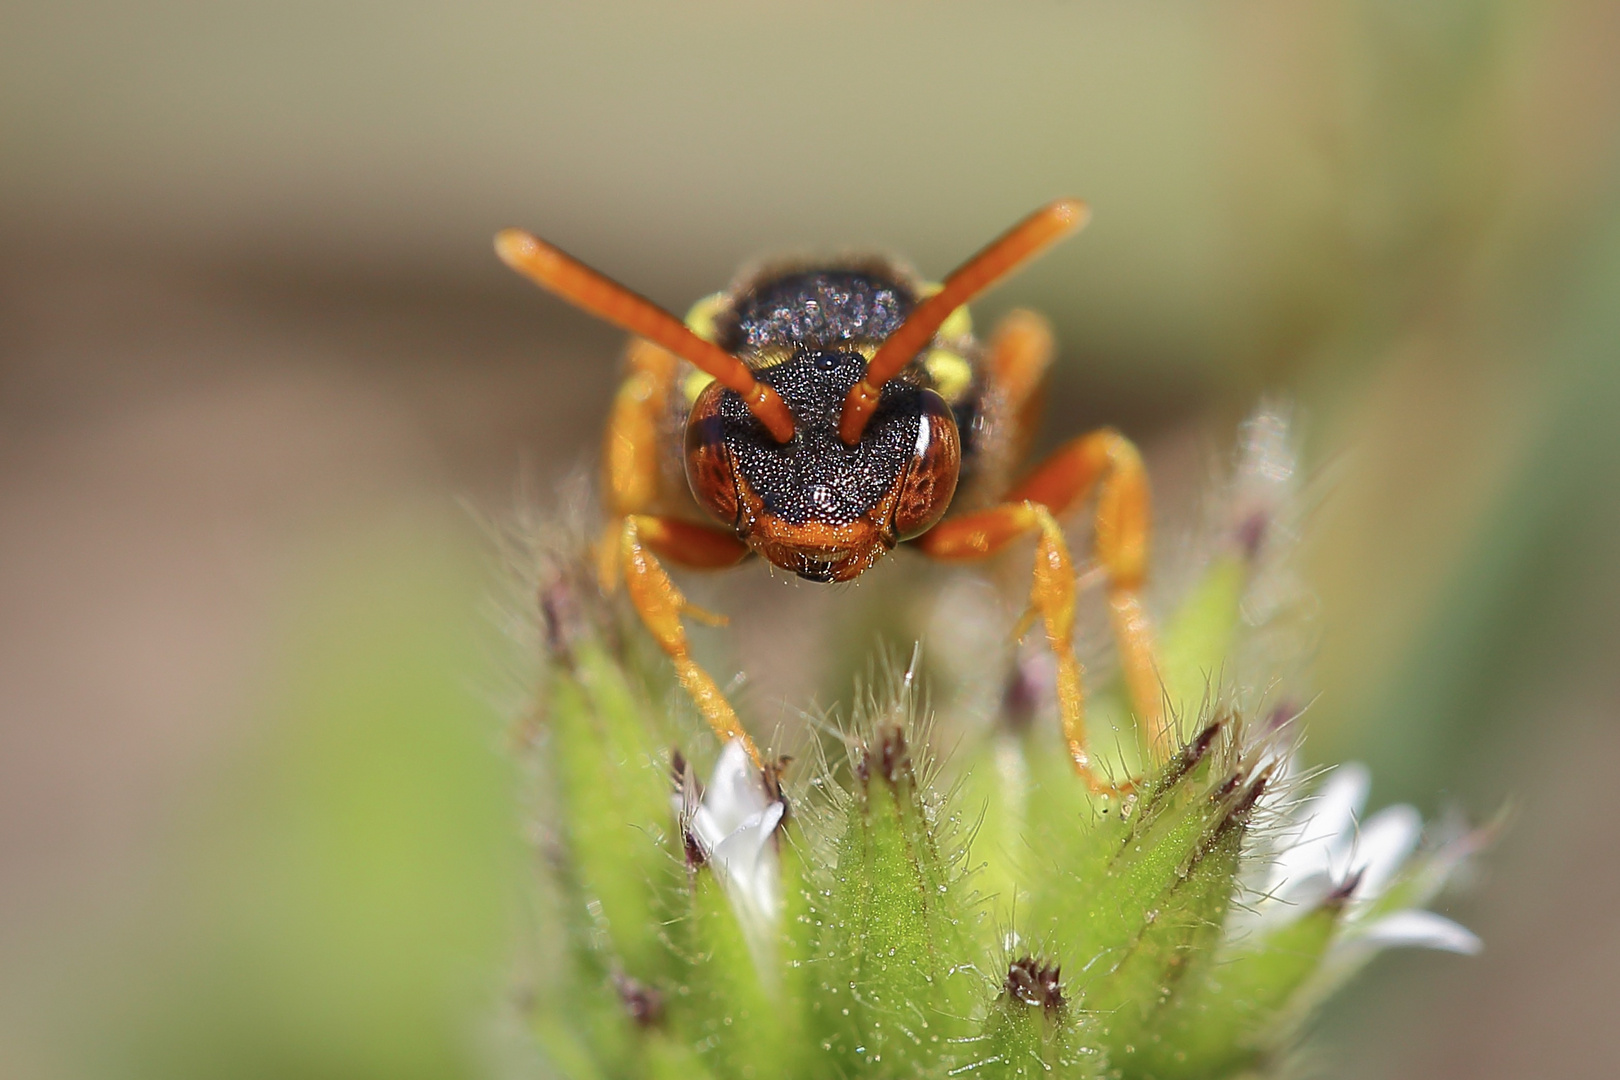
1020,352
660,604
1108,462
1051,598
633,539
631,446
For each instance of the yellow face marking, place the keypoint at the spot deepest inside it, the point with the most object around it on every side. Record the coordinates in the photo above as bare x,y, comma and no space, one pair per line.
958,324
951,374
693,385
700,318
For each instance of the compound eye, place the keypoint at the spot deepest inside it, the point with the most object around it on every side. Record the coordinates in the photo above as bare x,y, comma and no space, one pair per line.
711,471
929,481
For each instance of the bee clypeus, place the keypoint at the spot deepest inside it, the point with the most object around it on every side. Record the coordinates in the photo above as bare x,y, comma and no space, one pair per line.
835,410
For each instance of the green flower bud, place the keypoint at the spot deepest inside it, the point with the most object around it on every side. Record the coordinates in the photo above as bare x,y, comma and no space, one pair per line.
872,911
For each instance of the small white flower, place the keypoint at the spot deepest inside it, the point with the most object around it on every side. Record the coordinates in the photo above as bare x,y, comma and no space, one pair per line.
1320,850
732,828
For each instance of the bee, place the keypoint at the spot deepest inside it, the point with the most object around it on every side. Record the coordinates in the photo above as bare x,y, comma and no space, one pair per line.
818,415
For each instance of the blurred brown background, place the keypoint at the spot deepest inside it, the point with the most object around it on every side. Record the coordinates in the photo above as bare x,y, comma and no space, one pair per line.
256,356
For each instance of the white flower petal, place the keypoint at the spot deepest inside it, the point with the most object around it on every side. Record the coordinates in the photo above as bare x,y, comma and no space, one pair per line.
1419,929
1320,833
1333,809
1303,894
1381,848
705,829
732,826
1319,849
735,791
748,862
739,850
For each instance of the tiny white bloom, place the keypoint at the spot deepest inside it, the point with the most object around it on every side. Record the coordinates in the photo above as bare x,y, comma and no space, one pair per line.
1322,848
1420,928
732,827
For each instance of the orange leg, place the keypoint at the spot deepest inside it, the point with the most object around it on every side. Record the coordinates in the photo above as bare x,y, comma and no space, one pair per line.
631,450
1020,352
1059,483
634,539
661,605
1108,461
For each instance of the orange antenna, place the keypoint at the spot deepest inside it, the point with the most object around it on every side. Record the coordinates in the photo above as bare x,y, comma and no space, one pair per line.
1011,250
560,273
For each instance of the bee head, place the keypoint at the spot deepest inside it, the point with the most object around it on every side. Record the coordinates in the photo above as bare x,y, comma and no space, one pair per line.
817,506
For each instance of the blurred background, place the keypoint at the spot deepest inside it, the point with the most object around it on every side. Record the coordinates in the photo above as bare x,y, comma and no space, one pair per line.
257,361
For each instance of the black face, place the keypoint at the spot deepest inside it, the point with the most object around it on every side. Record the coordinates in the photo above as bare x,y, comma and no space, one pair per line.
816,478
815,505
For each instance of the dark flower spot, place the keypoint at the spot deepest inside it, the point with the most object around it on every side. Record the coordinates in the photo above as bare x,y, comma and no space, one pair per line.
1035,982
644,1004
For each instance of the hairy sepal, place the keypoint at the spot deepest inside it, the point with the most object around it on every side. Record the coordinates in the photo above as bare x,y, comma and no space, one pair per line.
896,980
